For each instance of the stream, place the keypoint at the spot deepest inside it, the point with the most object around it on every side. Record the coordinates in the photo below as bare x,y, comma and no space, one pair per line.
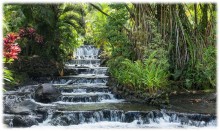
87,102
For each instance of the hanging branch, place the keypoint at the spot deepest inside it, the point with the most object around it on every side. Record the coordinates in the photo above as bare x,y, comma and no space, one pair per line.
96,7
132,15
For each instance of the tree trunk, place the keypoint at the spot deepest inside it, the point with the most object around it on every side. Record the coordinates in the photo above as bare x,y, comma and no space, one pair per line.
195,26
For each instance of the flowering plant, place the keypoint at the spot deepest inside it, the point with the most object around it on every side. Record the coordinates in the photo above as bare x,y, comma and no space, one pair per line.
10,52
30,33
11,49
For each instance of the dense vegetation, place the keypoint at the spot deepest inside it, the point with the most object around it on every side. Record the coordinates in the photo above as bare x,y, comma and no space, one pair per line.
49,33
155,46
150,47
58,25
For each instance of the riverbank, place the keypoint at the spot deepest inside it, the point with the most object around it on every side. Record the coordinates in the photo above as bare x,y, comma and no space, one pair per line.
189,101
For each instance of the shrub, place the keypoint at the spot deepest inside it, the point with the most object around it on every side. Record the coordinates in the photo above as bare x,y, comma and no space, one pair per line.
207,67
150,75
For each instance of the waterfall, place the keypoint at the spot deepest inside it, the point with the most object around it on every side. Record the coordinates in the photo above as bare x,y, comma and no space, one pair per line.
87,102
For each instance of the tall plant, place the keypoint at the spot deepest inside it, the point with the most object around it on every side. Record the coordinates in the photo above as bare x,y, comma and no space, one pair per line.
10,53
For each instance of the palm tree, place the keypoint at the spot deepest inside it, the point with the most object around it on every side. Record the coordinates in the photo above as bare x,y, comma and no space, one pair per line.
60,24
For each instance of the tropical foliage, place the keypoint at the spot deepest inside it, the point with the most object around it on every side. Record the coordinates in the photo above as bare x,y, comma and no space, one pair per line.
149,76
49,32
52,30
183,35
150,46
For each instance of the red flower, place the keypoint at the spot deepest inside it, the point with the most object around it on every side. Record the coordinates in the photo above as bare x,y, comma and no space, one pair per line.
11,49
15,48
6,41
11,37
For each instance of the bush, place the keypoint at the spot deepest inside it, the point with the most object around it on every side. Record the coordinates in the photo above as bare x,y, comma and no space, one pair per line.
150,75
207,67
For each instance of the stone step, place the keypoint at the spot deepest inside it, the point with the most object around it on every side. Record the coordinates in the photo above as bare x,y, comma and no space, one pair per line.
76,71
85,97
117,105
80,80
65,118
89,84
82,63
81,86
85,94
91,76
64,84
89,67
84,90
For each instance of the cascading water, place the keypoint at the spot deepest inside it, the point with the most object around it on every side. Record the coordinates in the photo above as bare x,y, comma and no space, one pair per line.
86,102
90,75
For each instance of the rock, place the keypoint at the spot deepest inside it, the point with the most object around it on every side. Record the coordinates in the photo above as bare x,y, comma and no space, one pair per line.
25,107
29,104
19,110
41,115
46,93
12,107
7,120
24,121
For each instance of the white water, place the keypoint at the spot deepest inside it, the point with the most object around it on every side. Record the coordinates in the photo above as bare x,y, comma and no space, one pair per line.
89,76
91,93
86,52
42,104
118,125
102,101
89,84
96,75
